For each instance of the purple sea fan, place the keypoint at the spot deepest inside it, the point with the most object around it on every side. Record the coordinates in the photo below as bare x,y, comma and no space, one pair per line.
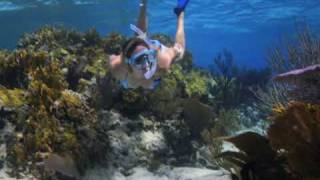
305,83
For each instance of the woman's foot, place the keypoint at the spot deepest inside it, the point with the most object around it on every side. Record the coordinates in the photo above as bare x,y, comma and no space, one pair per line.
180,6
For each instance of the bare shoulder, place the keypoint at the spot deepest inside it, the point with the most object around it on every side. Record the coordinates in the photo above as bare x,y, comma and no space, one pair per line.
117,67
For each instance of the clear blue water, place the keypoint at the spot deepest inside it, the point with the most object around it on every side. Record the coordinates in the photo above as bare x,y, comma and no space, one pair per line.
246,27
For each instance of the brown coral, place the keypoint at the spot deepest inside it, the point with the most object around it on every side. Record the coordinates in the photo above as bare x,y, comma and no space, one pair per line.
256,160
295,132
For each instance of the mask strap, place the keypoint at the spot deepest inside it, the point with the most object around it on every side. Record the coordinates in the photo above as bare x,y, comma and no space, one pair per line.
141,34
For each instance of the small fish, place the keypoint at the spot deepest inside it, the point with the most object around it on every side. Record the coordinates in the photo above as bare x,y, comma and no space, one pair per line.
62,164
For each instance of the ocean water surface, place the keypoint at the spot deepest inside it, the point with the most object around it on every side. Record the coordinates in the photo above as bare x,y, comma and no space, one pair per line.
246,27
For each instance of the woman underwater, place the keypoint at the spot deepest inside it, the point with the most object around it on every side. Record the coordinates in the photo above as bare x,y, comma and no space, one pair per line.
142,61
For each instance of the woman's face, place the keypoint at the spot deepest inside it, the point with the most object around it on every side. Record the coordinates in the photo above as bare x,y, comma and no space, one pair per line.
141,67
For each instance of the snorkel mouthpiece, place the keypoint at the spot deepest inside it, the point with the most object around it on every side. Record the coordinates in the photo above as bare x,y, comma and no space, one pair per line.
151,71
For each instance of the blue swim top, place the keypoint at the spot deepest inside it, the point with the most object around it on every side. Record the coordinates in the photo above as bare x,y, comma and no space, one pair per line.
125,84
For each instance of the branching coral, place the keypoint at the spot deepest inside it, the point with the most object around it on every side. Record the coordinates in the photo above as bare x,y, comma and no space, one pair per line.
305,51
273,97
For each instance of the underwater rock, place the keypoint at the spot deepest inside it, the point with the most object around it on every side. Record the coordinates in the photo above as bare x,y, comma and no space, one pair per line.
127,150
144,142
203,156
185,173
153,141
62,164
164,173
178,138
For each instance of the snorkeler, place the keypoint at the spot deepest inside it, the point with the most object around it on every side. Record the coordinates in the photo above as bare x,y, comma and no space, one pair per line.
142,61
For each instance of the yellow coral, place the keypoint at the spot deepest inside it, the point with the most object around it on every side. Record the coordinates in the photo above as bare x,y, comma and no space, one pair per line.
11,98
278,108
71,99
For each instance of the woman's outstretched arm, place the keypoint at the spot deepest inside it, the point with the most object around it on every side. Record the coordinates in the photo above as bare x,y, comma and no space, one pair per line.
176,52
180,44
180,37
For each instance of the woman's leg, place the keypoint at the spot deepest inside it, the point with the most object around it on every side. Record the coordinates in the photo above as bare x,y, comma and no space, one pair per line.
143,21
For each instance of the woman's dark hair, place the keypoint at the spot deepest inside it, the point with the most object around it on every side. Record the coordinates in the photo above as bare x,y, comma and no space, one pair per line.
129,46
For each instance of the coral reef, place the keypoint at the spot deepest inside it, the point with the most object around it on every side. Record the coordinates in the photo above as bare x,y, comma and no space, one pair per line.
59,95
56,83
48,117
57,121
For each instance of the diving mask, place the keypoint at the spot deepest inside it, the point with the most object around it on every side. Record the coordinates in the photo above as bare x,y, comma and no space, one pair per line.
145,60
